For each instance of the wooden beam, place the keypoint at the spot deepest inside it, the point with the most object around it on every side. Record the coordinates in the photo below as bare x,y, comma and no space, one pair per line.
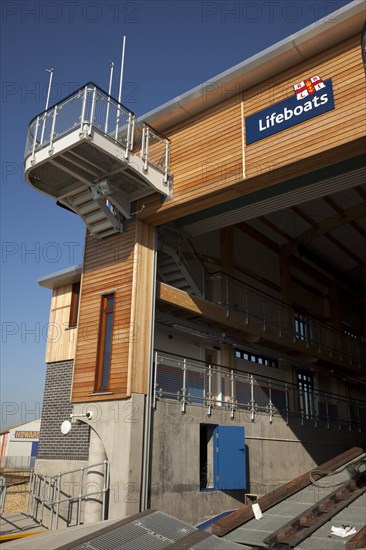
345,249
245,513
357,541
259,237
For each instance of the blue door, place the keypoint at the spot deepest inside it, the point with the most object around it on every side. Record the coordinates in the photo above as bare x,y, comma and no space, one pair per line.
229,458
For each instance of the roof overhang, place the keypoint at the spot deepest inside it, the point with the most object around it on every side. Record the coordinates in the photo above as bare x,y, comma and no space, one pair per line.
63,277
311,40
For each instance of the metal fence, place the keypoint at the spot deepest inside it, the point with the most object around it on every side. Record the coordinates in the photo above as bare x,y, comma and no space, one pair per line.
273,314
191,381
91,108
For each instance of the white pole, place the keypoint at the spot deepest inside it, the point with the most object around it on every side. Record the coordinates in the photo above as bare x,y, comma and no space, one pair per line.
122,68
111,64
47,100
120,85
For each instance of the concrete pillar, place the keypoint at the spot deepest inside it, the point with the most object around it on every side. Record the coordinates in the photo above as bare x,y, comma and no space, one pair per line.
94,480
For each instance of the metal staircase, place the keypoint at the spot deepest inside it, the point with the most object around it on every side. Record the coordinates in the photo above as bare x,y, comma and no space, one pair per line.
174,270
91,154
99,215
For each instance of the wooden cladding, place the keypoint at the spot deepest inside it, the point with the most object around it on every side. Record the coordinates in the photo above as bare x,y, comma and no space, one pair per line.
61,338
116,310
108,269
208,152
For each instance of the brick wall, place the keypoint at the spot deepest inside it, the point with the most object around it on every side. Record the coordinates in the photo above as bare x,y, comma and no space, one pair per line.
56,409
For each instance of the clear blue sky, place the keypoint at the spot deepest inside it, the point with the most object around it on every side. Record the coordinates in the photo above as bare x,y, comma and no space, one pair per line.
172,46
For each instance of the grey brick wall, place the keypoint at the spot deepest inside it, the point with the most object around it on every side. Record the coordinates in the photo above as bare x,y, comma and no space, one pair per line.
56,409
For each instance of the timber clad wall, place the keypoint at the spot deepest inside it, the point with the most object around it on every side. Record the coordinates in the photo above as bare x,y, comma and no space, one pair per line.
108,267
207,153
57,408
343,64
61,340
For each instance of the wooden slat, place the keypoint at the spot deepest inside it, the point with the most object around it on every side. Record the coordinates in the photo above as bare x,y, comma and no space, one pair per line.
245,513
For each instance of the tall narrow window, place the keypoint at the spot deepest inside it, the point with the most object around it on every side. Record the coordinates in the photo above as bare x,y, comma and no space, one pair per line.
305,384
74,307
105,342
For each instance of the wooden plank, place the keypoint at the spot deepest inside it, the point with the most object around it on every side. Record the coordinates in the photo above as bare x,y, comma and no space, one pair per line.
357,541
245,513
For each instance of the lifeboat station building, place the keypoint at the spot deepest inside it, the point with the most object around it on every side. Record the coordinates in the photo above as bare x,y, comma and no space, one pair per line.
211,347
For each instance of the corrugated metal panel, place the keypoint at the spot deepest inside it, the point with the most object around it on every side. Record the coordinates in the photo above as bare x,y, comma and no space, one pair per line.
286,200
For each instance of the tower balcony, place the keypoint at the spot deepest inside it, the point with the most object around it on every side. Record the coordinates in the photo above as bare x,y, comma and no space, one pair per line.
94,157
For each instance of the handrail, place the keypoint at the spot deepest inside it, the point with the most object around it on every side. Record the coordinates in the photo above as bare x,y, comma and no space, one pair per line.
232,280
69,96
192,381
46,492
90,115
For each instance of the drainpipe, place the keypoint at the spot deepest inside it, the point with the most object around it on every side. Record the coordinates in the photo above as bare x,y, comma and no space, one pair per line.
95,480
148,402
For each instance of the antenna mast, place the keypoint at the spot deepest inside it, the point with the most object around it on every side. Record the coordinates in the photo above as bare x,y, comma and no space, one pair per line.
111,65
47,100
120,85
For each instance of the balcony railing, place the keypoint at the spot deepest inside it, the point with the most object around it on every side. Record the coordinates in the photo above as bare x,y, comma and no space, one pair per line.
90,108
212,386
273,315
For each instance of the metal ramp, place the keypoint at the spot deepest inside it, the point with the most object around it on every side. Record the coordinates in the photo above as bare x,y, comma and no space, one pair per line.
91,154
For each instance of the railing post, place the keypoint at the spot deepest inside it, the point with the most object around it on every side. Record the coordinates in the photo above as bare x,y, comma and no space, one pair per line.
252,402
78,510
246,306
94,98
35,141
167,160
147,139
270,404
184,388
83,108
227,297
58,498
132,138
232,393
209,393
264,313
155,380
128,136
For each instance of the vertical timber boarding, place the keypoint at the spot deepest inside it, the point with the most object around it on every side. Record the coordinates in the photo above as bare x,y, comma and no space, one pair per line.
61,340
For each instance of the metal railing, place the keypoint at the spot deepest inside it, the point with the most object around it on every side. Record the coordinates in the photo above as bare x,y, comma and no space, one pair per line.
18,461
190,381
63,496
284,320
90,108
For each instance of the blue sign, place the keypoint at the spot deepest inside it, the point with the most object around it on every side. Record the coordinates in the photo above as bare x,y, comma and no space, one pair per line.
288,113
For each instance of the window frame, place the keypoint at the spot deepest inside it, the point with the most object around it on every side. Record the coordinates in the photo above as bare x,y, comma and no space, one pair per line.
74,305
103,369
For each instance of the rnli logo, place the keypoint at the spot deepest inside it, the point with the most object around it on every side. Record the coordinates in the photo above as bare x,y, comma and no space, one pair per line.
312,97
308,87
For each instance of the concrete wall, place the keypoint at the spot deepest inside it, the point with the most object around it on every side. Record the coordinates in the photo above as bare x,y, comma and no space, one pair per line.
275,455
119,426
